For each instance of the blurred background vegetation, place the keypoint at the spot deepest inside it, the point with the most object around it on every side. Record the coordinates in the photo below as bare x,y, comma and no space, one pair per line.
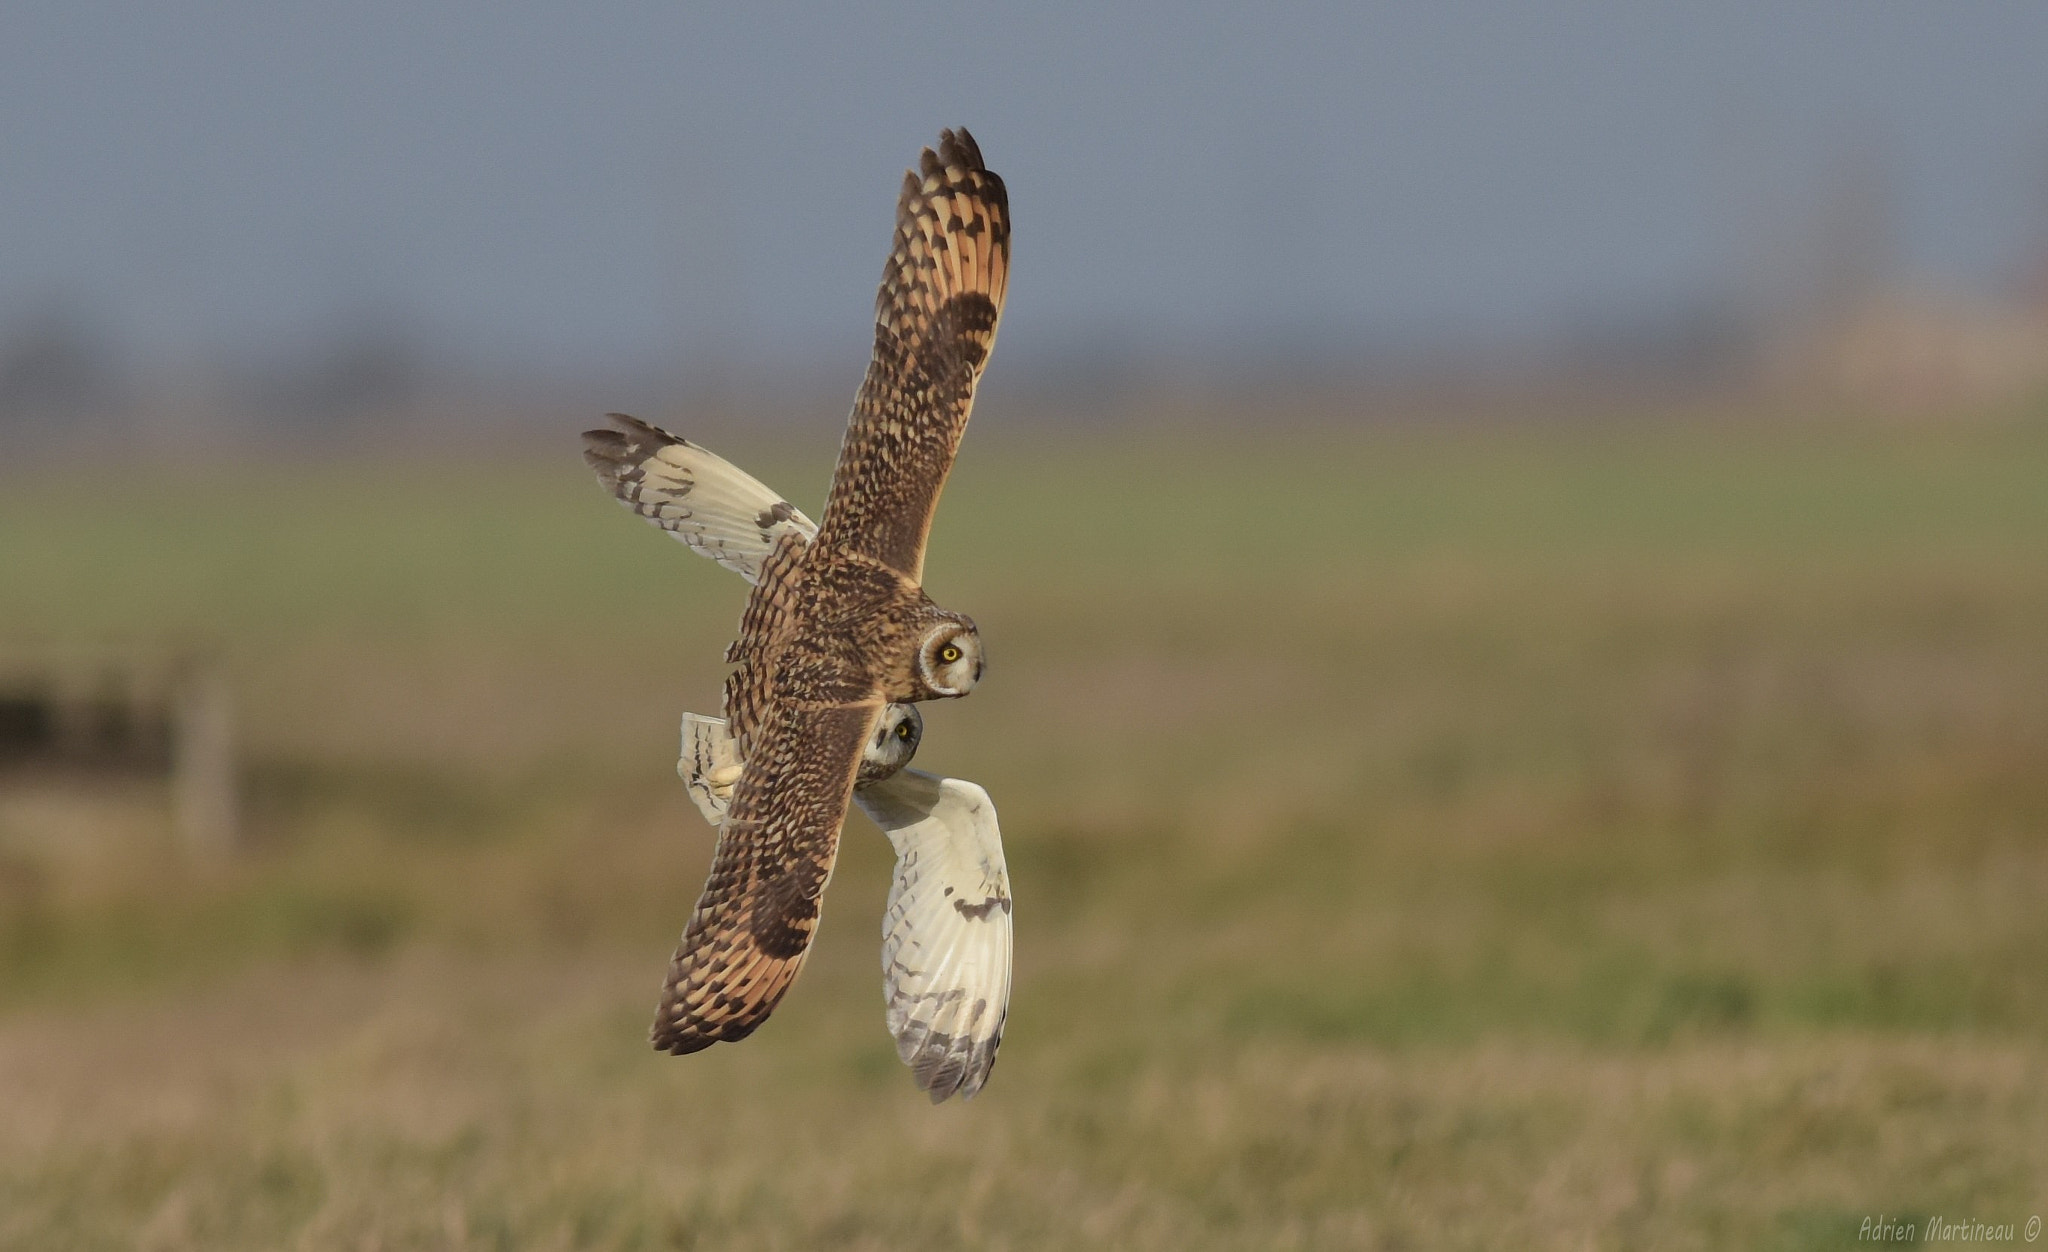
1425,837
1518,631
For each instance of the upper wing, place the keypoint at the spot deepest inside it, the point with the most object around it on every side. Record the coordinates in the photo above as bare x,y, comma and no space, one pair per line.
747,937
935,322
704,500
946,935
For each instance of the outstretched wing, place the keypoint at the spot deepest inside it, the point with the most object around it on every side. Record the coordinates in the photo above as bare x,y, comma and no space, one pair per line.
935,322
704,500
747,937
946,935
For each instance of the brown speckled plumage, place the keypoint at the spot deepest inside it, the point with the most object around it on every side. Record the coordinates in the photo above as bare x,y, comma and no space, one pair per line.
752,925
935,323
839,626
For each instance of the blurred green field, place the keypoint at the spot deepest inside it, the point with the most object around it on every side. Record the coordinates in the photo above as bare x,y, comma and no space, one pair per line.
1565,836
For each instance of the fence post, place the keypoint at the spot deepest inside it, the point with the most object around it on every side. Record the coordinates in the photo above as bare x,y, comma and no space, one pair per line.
203,765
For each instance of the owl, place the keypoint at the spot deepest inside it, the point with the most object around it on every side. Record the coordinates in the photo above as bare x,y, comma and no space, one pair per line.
837,642
946,929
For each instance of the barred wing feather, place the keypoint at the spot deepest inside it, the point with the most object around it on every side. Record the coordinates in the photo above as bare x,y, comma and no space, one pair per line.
946,934
709,765
704,500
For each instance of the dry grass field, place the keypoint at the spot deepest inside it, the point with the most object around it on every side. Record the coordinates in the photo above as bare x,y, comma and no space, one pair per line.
1559,837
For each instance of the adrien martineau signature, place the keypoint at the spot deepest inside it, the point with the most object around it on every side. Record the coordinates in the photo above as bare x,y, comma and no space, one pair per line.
1938,1229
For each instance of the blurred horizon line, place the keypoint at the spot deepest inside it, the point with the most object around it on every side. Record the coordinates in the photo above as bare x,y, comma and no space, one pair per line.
1874,345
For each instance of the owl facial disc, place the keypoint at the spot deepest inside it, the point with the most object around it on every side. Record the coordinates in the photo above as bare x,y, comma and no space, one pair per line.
949,658
897,734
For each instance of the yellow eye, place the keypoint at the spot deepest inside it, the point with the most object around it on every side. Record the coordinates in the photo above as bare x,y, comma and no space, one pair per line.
903,730
950,653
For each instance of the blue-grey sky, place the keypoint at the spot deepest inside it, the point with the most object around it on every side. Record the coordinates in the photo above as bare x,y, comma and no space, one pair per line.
592,184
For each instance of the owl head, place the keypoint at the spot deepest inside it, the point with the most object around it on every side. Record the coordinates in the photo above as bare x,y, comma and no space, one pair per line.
949,657
893,744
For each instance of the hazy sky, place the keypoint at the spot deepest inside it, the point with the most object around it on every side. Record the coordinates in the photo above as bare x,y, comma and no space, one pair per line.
630,183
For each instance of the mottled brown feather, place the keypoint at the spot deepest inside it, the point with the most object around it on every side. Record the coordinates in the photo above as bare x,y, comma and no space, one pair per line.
935,323
766,624
748,934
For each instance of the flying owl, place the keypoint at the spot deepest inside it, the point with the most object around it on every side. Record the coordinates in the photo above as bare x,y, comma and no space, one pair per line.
838,634
946,929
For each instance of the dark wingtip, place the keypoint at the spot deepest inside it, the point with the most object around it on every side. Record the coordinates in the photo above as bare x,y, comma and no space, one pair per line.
625,446
605,452
678,1038
957,148
679,1032
631,425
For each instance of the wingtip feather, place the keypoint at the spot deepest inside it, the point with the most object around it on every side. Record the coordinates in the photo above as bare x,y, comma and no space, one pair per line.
957,148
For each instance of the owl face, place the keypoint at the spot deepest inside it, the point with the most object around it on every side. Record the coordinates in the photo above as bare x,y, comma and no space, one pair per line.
949,658
893,744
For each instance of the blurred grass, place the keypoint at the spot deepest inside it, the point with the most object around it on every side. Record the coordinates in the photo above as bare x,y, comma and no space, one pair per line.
1555,836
